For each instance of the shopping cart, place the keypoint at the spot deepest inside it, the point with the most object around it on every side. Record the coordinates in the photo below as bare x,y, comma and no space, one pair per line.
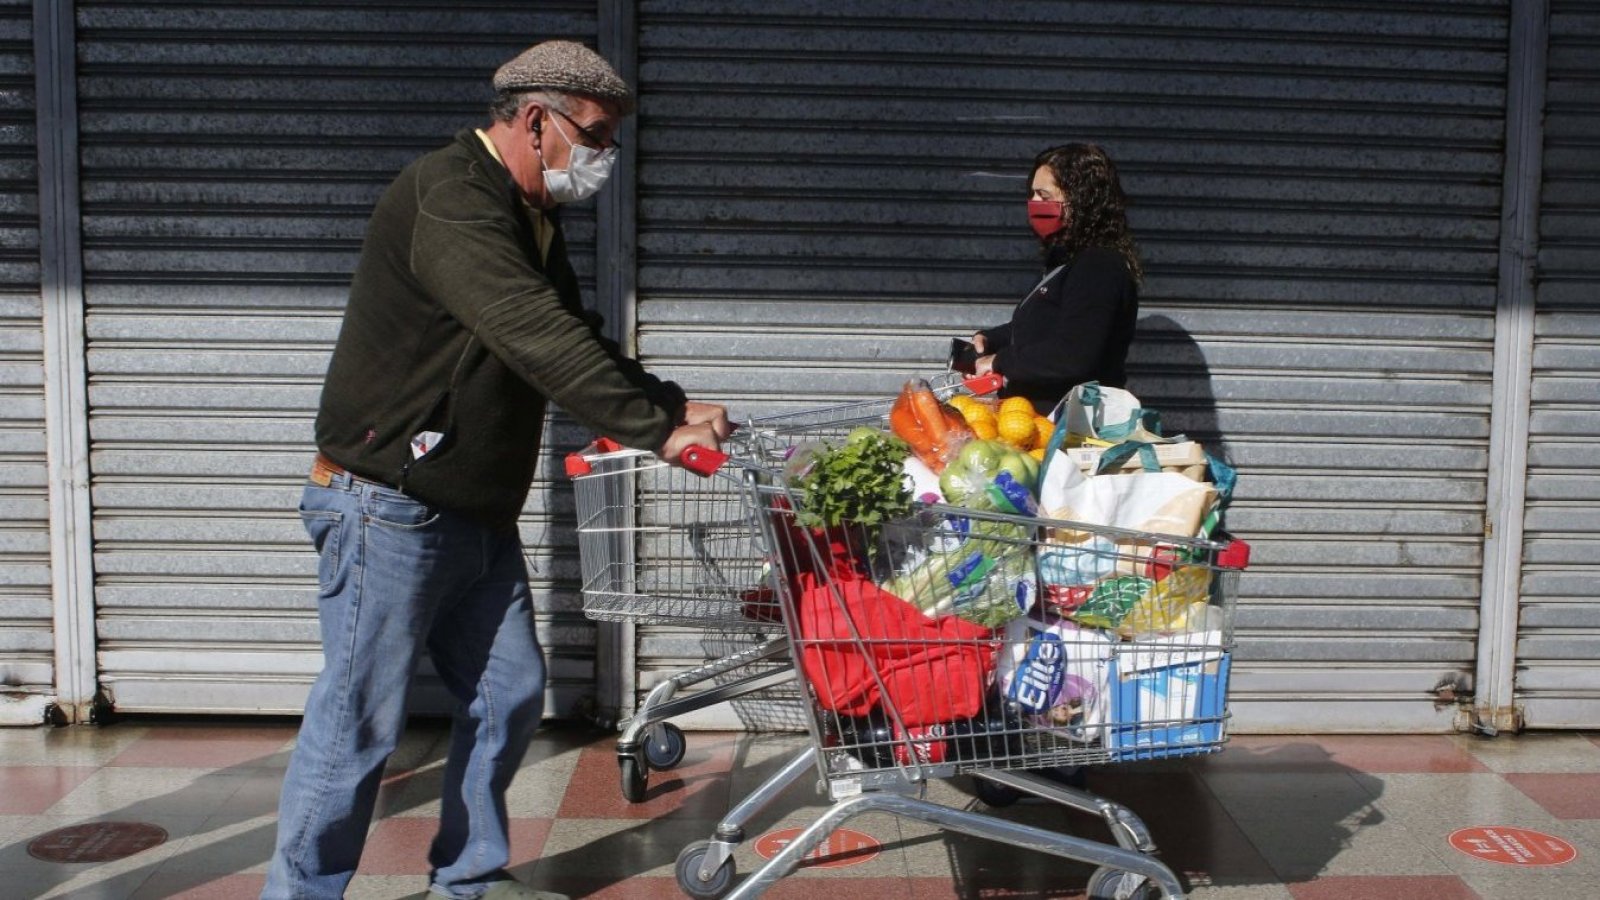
899,693
664,545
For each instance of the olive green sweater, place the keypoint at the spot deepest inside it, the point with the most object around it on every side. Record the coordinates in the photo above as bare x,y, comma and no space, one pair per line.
455,326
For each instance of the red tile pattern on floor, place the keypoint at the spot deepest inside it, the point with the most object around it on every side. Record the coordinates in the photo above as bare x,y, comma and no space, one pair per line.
696,788
619,889
1385,887
30,790
209,747
400,846
798,888
197,886
793,888
1574,796
1221,821
1063,888
1374,754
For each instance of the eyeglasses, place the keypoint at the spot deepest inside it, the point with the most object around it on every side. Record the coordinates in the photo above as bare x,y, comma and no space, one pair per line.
589,137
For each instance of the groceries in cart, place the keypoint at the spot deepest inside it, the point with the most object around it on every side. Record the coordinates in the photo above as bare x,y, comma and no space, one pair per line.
1048,582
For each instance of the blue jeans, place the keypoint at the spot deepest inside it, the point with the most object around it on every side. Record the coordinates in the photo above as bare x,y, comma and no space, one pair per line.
396,576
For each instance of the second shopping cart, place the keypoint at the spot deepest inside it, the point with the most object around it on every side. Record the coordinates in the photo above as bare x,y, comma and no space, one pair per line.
673,546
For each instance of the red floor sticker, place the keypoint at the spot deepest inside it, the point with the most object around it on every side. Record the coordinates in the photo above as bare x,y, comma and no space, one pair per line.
1513,846
842,848
96,842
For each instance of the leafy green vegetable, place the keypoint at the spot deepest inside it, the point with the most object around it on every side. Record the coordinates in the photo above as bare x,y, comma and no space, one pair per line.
859,483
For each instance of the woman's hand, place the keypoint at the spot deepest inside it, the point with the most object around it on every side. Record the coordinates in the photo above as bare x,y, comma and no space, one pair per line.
984,366
979,342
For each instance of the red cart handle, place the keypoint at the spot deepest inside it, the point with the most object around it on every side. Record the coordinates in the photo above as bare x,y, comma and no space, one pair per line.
578,461
984,384
700,460
1234,555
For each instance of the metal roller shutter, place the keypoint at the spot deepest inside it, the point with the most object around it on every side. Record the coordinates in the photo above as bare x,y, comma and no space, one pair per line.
231,155
27,644
1558,646
828,192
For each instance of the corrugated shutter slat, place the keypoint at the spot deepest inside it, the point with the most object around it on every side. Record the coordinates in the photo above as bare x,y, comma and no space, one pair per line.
1316,194
27,633
1558,646
232,152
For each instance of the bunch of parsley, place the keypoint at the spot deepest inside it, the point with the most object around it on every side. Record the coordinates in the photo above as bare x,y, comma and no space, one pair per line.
861,482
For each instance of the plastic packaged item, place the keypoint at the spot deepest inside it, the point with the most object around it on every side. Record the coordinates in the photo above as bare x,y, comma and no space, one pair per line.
1111,601
1169,604
935,431
1056,674
979,570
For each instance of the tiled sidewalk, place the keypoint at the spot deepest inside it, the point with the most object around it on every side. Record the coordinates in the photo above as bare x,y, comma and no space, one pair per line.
1304,818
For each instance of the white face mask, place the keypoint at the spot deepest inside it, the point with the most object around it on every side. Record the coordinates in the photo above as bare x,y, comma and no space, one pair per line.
587,170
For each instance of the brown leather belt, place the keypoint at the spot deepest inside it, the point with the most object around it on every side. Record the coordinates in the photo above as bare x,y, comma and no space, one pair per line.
323,469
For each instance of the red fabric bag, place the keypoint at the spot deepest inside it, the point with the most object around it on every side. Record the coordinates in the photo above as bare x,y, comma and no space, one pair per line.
932,670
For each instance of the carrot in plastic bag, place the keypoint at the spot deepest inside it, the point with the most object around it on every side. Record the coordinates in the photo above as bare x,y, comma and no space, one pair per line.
934,431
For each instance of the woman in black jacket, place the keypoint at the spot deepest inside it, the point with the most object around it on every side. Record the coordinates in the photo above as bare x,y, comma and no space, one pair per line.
1076,325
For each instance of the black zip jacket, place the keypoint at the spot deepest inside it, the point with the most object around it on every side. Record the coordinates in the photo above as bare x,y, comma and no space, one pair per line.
455,326
1074,327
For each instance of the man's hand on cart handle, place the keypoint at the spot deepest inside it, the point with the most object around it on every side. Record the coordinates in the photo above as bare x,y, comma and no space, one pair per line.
694,447
708,414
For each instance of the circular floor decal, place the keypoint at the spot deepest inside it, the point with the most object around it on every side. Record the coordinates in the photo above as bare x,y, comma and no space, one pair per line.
96,842
842,848
1513,846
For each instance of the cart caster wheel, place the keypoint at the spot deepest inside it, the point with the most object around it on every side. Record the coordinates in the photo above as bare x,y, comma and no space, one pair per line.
996,796
688,871
668,751
634,778
1115,884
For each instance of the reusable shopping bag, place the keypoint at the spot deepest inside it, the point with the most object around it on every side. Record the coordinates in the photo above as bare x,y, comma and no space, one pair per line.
1150,499
861,644
1109,414
1098,576
1159,503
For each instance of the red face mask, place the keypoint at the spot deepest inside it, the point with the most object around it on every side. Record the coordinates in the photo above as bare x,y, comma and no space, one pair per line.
1047,217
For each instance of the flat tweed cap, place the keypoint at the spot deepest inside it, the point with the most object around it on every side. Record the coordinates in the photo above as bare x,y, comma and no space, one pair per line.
568,67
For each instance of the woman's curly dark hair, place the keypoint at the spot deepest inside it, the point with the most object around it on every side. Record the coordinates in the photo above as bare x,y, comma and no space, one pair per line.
1097,209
